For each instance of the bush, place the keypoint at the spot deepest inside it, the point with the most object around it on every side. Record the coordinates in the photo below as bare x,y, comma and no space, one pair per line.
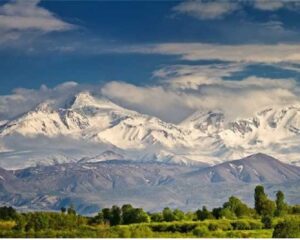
213,227
240,225
255,225
287,229
201,231
223,225
295,209
267,222
141,231
173,227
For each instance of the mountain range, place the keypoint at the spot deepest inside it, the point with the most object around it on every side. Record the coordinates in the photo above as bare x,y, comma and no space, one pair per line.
93,185
95,128
91,152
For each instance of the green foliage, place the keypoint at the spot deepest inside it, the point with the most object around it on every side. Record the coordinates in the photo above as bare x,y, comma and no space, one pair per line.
115,216
204,214
259,198
168,215
263,205
178,215
71,210
295,209
241,225
267,222
156,217
141,231
135,215
287,229
237,207
268,208
281,206
201,231
7,213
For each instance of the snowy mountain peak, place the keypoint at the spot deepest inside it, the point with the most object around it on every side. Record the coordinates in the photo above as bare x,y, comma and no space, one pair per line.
85,99
208,122
45,107
205,136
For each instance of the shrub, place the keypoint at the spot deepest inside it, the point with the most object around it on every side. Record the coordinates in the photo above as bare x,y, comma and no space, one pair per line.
213,227
267,222
254,225
141,231
201,231
240,225
287,229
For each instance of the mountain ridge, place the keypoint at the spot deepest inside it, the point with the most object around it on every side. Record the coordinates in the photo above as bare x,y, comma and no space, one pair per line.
92,185
204,136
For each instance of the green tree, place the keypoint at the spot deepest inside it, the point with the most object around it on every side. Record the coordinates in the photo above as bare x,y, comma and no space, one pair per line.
227,213
203,214
168,215
63,210
140,216
268,208
259,198
178,215
7,213
237,207
106,213
216,212
134,215
263,205
97,219
156,217
281,206
71,210
115,217
127,213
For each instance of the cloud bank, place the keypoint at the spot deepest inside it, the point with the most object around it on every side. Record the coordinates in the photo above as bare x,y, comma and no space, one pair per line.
180,91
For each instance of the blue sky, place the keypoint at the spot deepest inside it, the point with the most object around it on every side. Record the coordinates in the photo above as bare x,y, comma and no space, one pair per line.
148,45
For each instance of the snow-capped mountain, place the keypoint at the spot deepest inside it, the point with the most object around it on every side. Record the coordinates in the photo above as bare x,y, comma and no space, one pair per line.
89,127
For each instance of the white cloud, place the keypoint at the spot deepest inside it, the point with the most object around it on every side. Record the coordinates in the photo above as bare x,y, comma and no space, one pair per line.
182,90
269,5
260,53
206,9
188,88
192,76
22,100
273,5
217,9
19,16
156,100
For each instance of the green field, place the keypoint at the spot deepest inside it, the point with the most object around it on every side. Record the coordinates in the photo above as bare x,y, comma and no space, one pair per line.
242,228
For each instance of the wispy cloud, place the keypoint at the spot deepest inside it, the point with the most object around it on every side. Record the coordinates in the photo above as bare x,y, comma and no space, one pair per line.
206,9
18,17
218,9
260,53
